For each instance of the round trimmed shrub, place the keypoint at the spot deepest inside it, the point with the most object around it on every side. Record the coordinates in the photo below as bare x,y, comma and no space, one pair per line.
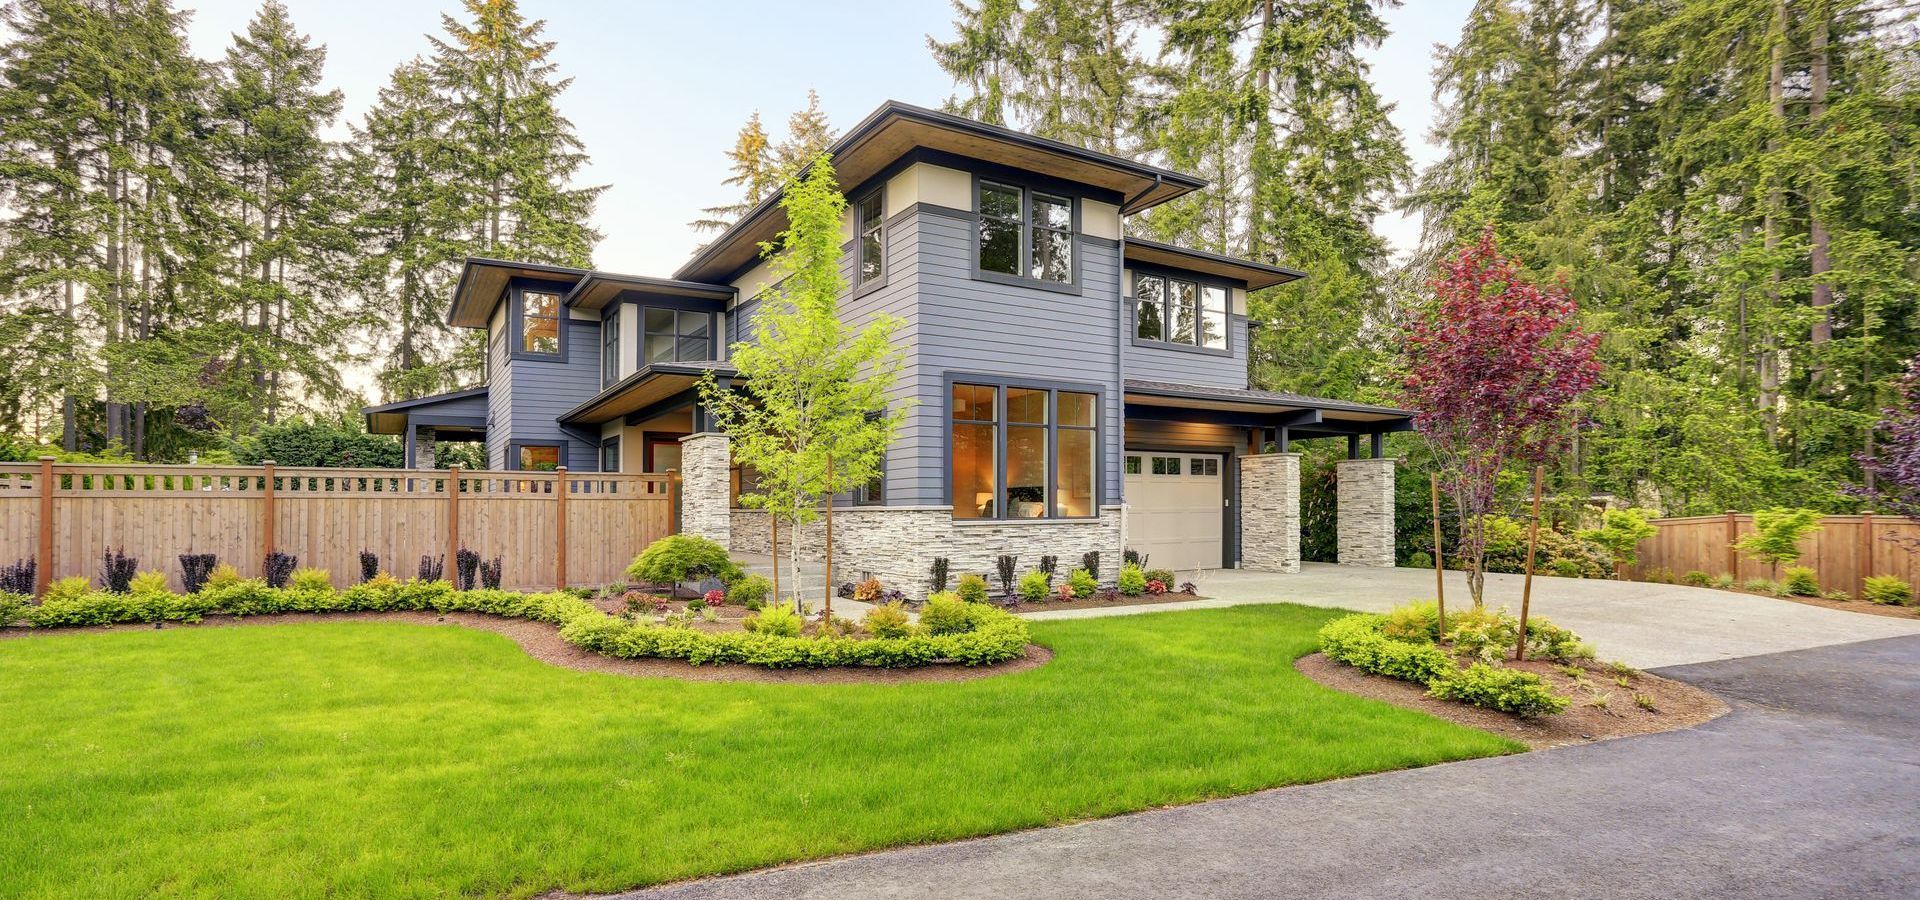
1132,582
1033,586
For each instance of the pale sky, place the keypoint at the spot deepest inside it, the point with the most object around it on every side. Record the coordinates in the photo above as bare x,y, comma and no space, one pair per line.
659,89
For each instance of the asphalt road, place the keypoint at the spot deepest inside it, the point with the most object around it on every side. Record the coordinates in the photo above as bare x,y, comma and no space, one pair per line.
1809,788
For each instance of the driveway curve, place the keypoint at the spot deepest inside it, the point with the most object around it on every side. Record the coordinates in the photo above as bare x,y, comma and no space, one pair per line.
1807,789
1645,625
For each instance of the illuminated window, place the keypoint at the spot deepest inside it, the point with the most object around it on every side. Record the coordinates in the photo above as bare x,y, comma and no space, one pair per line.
1024,453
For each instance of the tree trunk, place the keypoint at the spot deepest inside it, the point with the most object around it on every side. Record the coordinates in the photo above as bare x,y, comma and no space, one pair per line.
1821,261
1768,368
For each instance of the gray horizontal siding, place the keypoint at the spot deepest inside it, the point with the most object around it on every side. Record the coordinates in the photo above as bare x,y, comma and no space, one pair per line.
539,391
1185,367
1007,331
499,400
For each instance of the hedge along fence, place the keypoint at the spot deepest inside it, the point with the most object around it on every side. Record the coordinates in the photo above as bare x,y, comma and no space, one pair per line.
549,528
1844,551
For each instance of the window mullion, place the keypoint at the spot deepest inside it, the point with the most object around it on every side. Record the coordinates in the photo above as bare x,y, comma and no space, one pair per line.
1000,452
1053,454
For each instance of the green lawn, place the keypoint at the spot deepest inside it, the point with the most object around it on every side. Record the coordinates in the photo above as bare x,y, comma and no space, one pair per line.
388,759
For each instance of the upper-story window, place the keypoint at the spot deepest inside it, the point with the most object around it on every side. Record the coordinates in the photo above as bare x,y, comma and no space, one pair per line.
539,322
610,348
676,335
1177,311
1025,233
870,222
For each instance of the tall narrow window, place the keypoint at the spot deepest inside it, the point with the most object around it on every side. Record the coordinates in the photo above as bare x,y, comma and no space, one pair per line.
1213,317
975,462
610,348
1026,453
1074,472
1052,238
610,455
675,335
1000,228
539,322
1150,308
873,242
1182,306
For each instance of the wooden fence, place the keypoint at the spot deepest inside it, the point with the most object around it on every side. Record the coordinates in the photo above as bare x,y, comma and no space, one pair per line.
550,529
1844,551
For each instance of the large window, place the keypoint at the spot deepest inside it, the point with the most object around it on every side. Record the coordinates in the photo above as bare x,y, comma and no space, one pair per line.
1176,311
675,335
610,348
871,225
539,322
539,457
1023,452
1025,233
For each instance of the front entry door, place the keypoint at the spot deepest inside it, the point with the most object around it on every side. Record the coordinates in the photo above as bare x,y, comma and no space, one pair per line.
662,452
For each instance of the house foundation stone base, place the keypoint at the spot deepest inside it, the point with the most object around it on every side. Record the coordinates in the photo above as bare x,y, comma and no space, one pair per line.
1270,512
1365,512
897,544
704,460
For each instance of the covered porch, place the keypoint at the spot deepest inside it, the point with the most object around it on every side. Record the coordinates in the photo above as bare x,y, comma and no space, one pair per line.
1212,476
423,421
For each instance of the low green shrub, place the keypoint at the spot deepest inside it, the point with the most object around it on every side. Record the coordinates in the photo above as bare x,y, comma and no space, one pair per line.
750,591
1841,596
1761,586
1356,640
1697,578
1567,568
1888,590
1724,581
678,558
1033,586
774,619
12,607
1132,582
972,588
69,588
946,613
148,583
888,621
1420,559
1493,687
308,578
1083,584
1800,581
1164,576
1418,622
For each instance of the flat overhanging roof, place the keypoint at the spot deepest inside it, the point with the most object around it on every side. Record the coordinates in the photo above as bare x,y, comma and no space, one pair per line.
1256,275
653,383
1310,413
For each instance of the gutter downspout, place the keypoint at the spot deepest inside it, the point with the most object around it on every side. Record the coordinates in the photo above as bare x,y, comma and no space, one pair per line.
1122,313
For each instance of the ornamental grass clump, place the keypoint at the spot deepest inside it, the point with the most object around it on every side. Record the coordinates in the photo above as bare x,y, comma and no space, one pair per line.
1887,590
1800,581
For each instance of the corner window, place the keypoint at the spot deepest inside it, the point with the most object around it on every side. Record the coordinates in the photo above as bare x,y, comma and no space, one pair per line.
1025,233
675,335
870,224
1023,452
610,455
539,457
539,322
1176,311
610,349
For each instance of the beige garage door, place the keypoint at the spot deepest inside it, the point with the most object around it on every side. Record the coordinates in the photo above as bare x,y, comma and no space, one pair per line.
1175,508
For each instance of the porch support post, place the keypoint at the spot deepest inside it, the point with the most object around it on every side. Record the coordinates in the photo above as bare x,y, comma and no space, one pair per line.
1365,511
1377,447
1270,511
704,459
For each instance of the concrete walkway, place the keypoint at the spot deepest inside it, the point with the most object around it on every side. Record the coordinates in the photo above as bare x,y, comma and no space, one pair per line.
1807,789
1646,625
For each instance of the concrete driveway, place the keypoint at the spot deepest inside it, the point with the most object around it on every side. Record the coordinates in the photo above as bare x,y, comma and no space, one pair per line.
1807,789
1646,625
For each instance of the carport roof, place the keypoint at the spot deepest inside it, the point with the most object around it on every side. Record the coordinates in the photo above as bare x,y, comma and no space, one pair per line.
1355,417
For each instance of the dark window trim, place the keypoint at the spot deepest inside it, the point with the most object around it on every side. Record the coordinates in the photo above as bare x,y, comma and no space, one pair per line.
516,318
1024,253
640,332
514,448
1166,321
610,340
1053,389
612,443
860,224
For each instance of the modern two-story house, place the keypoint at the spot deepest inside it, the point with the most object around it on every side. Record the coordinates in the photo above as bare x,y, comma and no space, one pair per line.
1073,389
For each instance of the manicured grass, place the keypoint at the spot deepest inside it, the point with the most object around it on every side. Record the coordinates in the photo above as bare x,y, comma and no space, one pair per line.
393,760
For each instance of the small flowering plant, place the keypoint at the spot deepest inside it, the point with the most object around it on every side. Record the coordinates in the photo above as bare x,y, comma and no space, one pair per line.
716,597
1156,587
660,604
1065,591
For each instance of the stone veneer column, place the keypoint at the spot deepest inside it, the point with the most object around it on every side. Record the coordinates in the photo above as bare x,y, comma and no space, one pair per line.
1270,512
423,436
704,508
1365,513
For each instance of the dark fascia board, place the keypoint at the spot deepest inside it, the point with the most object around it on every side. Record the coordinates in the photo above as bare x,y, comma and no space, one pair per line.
1274,274
1181,392
644,373
476,263
894,109
398,405
649,285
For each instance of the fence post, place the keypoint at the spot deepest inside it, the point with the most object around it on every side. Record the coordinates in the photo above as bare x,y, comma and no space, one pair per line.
43,569
1866,556
673,501
453,519
1733,553
560,527
266,527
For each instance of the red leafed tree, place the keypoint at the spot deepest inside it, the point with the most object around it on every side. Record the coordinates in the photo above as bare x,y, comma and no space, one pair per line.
1893,468
1494,365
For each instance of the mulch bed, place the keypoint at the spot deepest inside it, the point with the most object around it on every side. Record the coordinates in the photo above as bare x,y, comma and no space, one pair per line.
1095,601
1676,705
542,642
